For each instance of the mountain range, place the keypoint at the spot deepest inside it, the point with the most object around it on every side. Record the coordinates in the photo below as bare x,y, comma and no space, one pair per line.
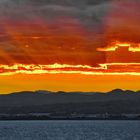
114,102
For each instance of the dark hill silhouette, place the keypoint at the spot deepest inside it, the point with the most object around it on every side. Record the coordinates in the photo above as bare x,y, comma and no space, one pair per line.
114,102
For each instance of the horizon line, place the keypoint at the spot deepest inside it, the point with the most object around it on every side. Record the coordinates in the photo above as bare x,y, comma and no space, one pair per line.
59,91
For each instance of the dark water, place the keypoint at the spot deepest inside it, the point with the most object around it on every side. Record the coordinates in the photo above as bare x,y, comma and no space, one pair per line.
69,130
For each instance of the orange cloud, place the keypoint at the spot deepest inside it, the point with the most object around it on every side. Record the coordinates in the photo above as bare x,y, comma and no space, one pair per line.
103,69
132,47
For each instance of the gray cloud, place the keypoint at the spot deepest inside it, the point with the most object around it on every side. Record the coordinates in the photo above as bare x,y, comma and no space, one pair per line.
88,13
30,8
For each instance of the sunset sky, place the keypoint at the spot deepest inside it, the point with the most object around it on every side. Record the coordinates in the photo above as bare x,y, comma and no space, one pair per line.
69,45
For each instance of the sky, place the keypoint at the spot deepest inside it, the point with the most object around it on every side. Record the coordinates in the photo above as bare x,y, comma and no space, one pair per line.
82,45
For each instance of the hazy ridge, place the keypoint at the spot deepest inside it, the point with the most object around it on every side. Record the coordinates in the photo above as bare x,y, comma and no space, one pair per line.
114,102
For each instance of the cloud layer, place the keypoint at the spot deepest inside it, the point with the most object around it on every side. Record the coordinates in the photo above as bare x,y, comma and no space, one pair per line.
64,31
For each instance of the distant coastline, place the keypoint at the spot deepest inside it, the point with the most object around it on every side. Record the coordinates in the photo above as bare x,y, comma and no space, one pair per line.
70,117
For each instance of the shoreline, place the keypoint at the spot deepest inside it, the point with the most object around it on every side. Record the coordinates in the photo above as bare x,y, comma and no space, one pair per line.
65,118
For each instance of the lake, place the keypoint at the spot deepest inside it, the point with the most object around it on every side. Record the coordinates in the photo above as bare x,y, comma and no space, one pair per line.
70,130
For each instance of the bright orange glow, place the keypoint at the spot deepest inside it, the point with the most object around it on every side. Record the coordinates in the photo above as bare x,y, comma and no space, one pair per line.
115,45
103,69
67,82
136,49
110,48
123,44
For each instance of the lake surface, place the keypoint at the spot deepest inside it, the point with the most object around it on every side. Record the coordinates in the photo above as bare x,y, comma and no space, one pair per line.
69,130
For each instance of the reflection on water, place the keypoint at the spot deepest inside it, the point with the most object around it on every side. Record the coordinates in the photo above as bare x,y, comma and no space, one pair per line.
69,130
